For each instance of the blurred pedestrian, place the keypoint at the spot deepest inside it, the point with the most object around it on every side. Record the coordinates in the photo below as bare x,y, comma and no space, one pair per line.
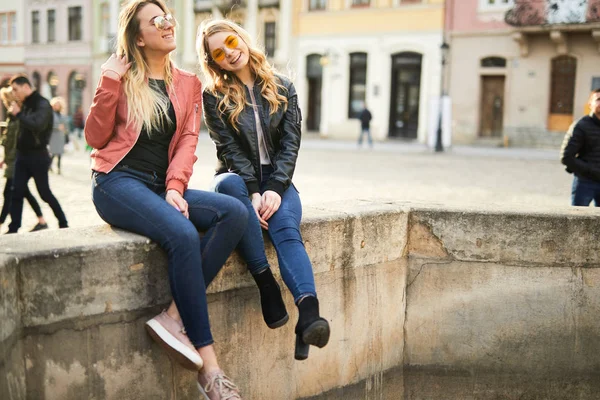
59,132
580,152
34,114
365,126
252,115
143,125
9,142
78,122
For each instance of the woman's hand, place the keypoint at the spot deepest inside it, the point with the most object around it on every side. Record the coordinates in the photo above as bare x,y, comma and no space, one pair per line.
256,200
270,204
115,67
175,199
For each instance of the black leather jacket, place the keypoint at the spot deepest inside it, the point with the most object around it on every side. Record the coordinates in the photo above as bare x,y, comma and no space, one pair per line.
580,151
237,151
36,119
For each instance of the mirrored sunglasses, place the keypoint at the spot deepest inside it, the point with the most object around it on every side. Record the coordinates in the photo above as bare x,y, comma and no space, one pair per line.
231,42
160,22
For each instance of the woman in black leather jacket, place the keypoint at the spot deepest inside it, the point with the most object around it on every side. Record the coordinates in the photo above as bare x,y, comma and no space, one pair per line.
253,117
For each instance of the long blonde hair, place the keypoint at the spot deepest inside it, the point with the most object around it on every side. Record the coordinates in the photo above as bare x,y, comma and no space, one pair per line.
219,81
145,107
7,96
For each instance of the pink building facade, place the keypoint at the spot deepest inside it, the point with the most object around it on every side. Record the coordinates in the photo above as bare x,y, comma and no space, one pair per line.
521,71
58,50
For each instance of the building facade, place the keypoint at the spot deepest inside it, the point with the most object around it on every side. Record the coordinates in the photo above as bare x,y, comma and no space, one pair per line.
382,53
521,71
12,44
58,49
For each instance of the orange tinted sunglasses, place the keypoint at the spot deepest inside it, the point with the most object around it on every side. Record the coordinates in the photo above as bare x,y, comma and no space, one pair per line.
231,42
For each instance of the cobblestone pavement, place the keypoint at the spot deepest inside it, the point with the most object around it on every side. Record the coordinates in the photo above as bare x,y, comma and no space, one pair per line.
333,170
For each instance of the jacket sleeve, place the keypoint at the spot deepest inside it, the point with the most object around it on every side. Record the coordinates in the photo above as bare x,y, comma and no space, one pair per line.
229,150
290,128
38,120
573,144
182,165
100,123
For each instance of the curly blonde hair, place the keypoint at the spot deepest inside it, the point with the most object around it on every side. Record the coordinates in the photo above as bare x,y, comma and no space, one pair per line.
144,105
218,81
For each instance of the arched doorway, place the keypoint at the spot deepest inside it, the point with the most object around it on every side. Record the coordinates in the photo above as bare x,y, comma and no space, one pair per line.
36,80
562,93
76,84
314,76
491,113
52,80
405,95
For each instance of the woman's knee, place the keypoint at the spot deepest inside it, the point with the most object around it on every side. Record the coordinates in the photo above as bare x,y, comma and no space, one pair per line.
231,184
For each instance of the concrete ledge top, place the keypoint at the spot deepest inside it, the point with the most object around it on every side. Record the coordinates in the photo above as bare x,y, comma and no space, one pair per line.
78,239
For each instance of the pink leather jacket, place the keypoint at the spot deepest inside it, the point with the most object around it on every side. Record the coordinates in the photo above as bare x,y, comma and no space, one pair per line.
107,130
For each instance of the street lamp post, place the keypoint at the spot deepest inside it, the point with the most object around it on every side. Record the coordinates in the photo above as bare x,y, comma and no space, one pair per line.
439,147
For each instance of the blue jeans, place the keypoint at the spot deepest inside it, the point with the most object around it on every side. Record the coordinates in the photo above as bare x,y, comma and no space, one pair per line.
27,166
135,201
367,132
284,231
584,191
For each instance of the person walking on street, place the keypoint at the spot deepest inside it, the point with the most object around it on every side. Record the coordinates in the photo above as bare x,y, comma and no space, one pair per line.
580,153
143,126
253,117
9,142
78,122
59,132
35,127
365,126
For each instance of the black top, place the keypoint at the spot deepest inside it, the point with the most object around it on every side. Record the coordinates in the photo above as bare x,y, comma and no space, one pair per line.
581,148
365,119
35,124
151,152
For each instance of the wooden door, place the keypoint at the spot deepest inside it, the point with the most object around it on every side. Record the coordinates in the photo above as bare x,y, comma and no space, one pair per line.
406,95
492,106
562,93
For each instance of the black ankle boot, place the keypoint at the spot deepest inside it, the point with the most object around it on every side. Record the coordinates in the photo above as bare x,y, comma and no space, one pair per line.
273,307
311,328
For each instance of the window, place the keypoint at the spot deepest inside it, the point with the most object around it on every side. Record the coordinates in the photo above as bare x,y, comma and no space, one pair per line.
4,28
51,25
12,23
75,19
360,3
315,5
270,38
37,80
564,71
358,84
35,27
105,20
493,5
493,62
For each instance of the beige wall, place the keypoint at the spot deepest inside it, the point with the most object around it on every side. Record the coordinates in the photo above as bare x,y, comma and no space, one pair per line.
527,90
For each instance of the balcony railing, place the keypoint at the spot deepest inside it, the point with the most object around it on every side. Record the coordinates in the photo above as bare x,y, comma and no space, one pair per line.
552,12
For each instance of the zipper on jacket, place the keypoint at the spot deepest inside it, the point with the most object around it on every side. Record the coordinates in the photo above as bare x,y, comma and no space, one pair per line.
256,136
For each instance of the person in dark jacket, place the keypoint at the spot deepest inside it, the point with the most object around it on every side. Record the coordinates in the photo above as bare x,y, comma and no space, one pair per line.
253,117
35,120
580,152
9,141
365,126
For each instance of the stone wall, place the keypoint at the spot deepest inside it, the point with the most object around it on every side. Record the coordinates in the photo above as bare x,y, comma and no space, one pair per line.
423,303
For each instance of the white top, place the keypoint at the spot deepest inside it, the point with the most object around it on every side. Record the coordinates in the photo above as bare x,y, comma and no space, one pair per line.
262,147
